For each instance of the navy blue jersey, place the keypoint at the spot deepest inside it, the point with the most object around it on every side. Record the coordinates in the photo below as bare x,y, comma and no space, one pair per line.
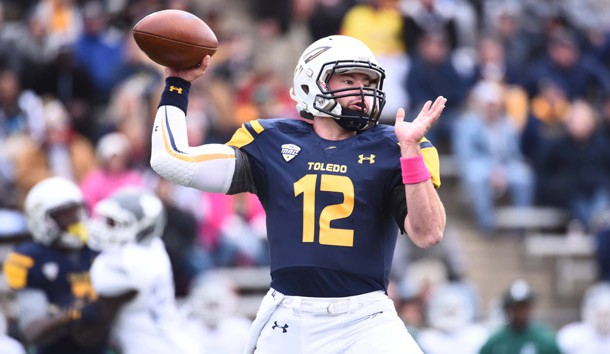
332,210
63,277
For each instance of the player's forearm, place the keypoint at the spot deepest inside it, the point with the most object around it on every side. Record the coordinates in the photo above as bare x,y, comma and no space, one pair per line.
207,167
91,331
45,330
425,222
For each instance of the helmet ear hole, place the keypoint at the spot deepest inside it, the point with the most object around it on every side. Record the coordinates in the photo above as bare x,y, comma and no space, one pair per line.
305,89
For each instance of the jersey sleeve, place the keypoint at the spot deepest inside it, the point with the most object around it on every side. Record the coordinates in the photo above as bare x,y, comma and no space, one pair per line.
208,167
19,270
431,160
109,276
244,140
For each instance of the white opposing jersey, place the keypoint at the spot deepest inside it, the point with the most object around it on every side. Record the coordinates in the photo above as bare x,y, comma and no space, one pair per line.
150,323
582,338
228,337
465,340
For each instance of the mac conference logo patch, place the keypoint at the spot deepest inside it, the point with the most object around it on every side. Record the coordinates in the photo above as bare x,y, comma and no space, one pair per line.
50,270
290,151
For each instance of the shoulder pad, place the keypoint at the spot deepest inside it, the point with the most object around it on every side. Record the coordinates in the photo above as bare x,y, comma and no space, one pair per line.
246,133
249,131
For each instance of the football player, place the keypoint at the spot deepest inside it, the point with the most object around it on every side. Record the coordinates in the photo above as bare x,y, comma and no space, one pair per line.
521,333
451,314
212,315
57,311
126,227
336,186
590,335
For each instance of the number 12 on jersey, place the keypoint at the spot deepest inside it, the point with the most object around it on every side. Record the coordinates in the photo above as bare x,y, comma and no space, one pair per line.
307,186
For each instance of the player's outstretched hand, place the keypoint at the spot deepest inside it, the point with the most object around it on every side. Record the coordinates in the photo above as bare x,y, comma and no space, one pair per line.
410,133
191,74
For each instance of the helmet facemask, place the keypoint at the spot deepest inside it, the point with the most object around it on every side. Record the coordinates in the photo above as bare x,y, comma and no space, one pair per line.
372,96
72,235
112,226
130,215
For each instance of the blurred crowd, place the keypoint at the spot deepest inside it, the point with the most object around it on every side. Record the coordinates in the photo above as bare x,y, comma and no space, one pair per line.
527,119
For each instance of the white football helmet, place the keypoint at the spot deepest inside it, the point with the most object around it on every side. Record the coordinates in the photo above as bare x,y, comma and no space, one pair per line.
451,307
323,58
596,307
128,215
43,204
212,297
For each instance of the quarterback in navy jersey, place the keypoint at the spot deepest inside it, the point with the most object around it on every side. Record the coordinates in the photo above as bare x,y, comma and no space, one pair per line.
336,187
360,194
56,303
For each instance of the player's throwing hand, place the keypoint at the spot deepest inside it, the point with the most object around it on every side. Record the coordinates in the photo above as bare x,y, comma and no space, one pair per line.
190,74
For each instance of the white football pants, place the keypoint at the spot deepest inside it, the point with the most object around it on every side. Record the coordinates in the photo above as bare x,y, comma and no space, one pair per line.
362,324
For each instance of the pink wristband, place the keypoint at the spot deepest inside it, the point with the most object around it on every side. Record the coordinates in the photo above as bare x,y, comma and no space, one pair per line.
414,170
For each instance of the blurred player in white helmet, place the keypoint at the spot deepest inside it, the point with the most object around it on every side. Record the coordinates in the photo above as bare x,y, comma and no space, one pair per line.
127,227
211,310
57,309
592,334
451,318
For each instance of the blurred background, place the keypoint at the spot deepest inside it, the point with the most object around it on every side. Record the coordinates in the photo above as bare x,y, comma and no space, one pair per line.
524,140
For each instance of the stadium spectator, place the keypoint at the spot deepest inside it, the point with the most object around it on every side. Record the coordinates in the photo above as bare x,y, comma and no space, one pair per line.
505,20
324,18
20,109
578,74
487,150
545,123
233,230
426,16
492,63
572,170
114,170
432,73
21,120
62,22
62,152
99,48
68,81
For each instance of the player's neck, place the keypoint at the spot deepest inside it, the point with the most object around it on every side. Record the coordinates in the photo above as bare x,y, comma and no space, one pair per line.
328,129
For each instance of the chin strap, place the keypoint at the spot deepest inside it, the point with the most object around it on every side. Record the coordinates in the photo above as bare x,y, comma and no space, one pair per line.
353,120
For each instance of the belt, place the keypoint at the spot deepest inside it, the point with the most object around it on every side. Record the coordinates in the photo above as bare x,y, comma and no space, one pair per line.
326,306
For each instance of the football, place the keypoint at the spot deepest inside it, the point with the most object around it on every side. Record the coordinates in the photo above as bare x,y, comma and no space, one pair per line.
175,38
